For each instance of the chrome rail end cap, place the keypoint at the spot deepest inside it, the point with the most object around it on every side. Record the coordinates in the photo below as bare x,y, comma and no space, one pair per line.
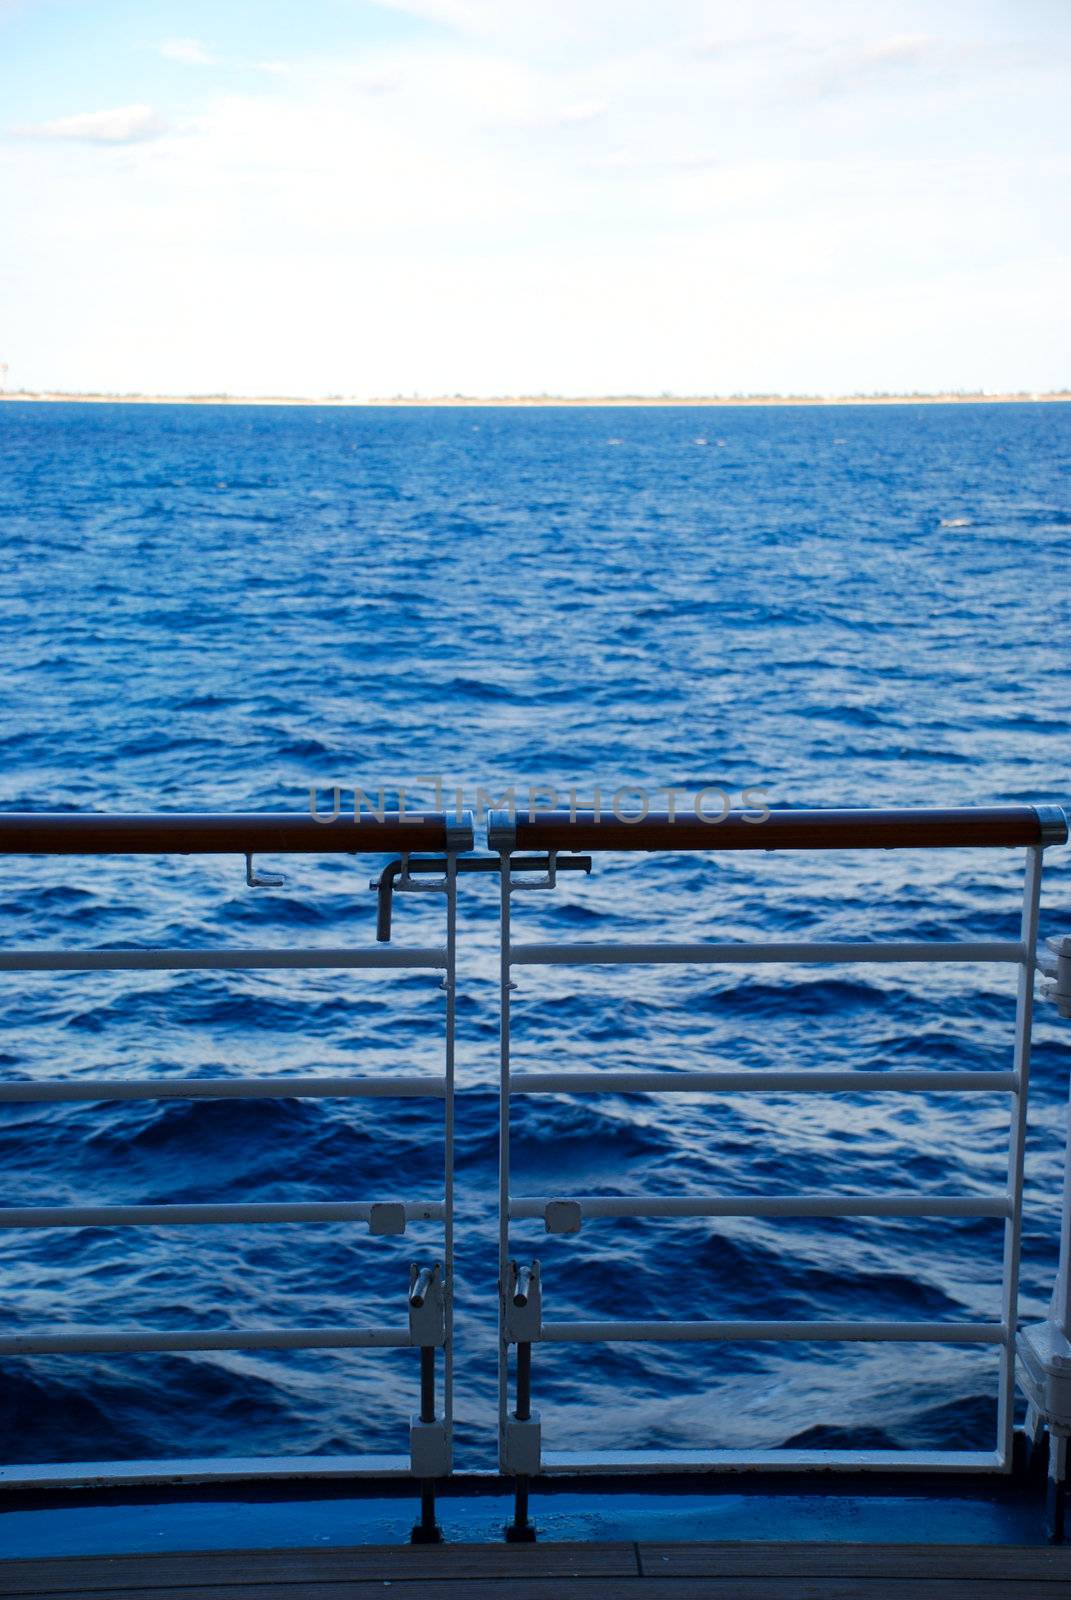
1053,824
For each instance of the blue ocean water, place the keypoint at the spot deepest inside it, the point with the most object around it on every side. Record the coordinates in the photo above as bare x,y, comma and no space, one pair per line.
213,608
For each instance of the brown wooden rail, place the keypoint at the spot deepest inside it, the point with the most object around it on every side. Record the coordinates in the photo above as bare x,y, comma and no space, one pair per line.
930,828
207,833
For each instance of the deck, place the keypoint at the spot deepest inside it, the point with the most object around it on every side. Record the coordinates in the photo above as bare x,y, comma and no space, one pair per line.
753,1571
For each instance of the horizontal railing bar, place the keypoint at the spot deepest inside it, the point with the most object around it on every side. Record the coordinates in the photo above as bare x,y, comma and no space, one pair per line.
583,955
26,1091
750,1461
191,1215
200,1469
878,829
800,1205
208,833
214,960
702,1332
760,1081
87,1341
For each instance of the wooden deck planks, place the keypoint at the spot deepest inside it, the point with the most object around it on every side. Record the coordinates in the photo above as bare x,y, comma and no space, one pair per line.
738,1571
636,1588
370,1563
897,1561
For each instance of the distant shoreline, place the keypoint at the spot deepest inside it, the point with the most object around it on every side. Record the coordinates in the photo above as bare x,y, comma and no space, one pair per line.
468,401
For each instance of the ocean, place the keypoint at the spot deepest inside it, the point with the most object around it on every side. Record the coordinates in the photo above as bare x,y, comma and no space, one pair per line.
217,607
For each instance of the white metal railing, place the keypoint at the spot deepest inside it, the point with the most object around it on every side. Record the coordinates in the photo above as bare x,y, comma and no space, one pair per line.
427,1320
522,1327
1045,1350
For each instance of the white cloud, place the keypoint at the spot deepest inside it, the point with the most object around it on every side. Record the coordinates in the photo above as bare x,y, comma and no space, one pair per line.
190,52
374,83
579,111
569,114
561,197
468,16
905,50
123,125
885,59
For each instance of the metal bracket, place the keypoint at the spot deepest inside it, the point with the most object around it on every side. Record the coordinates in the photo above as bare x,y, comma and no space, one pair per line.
429,1451
522,1446
429,1445
1058,966
522,1304
562,1216
399,874
548,882
427,1305
262,880
405,883
387,1216
1045,1373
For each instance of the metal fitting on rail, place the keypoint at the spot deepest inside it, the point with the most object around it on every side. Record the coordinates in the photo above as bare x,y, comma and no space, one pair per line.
1057,965
429,1448
1044,1352
1053,823
427,1310
501,831
460,831
562,1216
402,875
261,880
387,1217
522,1315
522,1304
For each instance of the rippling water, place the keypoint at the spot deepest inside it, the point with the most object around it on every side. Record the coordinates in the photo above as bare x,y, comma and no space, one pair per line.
209,608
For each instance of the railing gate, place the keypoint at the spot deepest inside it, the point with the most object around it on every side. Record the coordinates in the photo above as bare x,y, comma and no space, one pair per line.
526,1295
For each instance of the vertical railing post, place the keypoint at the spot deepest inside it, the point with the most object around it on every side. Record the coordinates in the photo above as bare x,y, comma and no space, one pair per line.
503,1143
431,1294
1013,1227
512,1296
1059,965
448,1143
1060,1317
1044,1348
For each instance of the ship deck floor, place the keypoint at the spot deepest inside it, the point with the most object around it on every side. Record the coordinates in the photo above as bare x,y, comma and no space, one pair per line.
761,1570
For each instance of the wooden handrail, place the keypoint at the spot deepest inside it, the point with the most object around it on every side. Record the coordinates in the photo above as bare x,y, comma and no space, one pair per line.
208,833
928,828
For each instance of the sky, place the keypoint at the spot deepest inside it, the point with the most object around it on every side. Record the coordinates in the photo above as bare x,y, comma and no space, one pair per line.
574,197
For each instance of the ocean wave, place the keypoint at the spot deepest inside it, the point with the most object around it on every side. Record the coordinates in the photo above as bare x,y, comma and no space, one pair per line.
203,609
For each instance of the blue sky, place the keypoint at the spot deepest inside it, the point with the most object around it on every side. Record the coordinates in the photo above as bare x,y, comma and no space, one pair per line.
525,196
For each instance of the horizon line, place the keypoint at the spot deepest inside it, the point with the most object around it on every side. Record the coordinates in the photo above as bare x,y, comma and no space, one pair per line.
876,397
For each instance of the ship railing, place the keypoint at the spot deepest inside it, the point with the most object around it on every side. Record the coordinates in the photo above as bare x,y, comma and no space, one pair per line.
425,1298
524,1289
532,853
